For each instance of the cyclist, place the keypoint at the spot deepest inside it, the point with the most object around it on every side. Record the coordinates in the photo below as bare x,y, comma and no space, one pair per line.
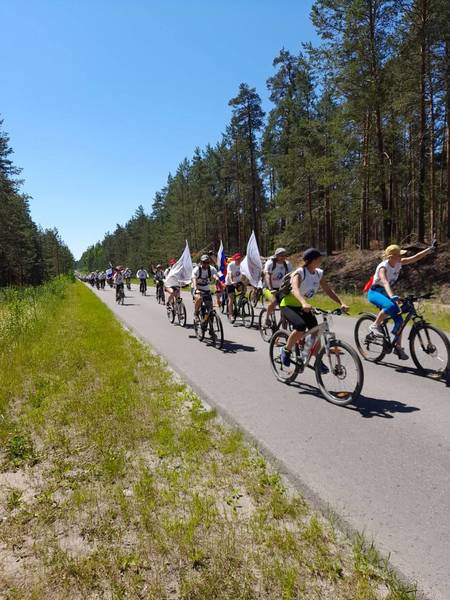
119,279
380,293
174,290
127,275
232,279
295,306
275,269
158,277
142,275
202,276
102,278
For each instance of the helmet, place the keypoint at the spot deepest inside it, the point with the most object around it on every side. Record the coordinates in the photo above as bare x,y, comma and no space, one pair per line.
236,256
159,266
204,258
172,262
281,252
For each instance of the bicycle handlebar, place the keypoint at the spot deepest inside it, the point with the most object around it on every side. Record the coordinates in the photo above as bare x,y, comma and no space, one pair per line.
321,311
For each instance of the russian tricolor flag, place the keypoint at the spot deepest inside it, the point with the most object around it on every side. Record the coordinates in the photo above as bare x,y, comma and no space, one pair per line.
221,262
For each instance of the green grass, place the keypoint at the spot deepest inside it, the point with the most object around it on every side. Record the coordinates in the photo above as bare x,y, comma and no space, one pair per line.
137,491
435,313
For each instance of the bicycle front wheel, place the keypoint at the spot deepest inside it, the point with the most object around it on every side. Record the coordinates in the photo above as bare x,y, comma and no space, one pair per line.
267,325
247,313
339,373
181,314
285,374
370,345
170,313
216,331
430,350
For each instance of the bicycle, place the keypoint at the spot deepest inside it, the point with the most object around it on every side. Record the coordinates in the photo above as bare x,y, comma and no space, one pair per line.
120,295
177,310
256,295
209,321
242,308
429,346
338,368
160,297
143,287
269,325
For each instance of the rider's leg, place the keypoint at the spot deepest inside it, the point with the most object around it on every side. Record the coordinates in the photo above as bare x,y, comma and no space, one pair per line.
388,309
197,303
230,304
271,307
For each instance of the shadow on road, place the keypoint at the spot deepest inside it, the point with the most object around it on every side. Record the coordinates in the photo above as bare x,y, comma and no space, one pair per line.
416,372
233,347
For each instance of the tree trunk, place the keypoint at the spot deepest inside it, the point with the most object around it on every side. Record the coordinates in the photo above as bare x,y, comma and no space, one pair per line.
422,125
433,219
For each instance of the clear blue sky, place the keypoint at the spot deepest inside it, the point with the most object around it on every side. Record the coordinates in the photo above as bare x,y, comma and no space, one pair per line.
103,98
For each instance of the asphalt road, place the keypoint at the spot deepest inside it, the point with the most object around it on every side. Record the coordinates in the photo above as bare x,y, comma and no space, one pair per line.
382,465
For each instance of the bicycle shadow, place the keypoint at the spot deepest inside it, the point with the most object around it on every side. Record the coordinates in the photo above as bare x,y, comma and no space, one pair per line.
413,371
367,406
230,347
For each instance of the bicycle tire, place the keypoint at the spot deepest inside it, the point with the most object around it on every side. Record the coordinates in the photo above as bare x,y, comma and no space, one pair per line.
278,340
199,331
181,314
267,331
246,313
415,335
216,331
340,398
364,343
170,313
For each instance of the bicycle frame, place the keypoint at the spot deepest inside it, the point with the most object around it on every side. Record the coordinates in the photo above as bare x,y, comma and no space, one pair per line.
411,315
321,334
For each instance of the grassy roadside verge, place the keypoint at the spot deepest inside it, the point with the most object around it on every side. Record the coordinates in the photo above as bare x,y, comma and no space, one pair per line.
120,484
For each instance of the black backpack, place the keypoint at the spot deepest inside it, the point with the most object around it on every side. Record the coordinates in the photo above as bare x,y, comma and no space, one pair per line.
286,284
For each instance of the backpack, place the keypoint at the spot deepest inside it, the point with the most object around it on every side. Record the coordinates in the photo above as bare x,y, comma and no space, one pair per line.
200,272
286,285
368,285
274,262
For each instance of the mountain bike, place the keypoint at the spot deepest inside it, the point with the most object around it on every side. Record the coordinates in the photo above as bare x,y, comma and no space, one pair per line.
429,346
338,368
143,287
256,295
209,321
268,325
177,309
160,298
242,308
120,294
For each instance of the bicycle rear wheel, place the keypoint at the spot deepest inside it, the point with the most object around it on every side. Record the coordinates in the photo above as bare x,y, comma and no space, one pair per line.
216,330
343,382
199,330
370,345
283,373
247,313
430,350
267,325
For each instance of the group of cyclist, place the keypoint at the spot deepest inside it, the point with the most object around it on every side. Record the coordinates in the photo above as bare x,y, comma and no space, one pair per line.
288,289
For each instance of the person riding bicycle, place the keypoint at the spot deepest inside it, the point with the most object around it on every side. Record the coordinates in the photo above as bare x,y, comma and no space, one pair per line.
158,277
380,293
119,280
202,277
142,275
295,307
275,269
233,279
102,278
127,275
174,290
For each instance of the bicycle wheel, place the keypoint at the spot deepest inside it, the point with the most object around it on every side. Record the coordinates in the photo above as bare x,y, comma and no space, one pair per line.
267,327
216,330
370,345
199,330
283,373
170,313
247,313
181,313
430,350
343,382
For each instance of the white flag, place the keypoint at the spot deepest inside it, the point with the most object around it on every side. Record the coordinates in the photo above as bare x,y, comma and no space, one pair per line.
181,272
251,266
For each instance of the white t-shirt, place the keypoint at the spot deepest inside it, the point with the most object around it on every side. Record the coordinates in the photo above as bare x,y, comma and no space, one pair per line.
233,274
392,273
142,274
310,282
203,278
277,270
118,278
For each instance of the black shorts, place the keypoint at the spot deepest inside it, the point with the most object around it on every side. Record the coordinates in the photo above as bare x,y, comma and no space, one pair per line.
231,289
300,319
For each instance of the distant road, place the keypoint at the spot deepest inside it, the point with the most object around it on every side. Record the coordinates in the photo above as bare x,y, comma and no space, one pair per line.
383,465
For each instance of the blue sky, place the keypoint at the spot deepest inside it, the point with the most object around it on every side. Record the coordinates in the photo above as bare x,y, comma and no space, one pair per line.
103,98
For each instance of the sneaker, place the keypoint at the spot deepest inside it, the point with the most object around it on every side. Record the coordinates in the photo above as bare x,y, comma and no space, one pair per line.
324,370
285,357
376,330
400,352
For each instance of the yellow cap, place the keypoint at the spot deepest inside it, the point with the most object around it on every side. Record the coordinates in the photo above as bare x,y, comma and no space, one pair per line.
393,250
